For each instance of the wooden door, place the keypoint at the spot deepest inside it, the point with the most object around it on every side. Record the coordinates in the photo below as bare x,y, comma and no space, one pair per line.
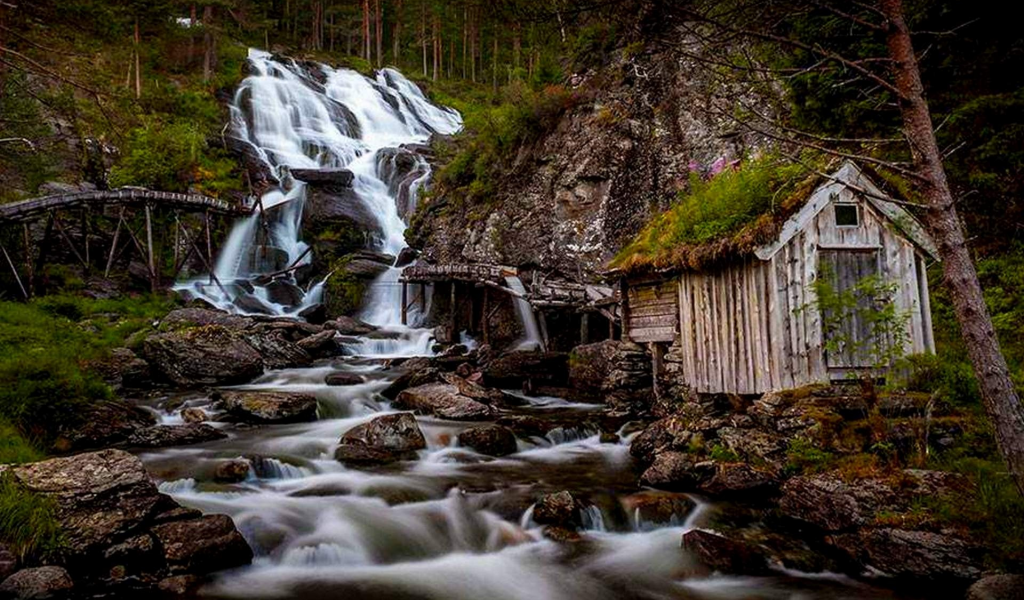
848,334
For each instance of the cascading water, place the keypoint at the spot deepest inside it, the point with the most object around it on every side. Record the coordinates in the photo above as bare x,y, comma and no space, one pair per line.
452,524
293,118
532,340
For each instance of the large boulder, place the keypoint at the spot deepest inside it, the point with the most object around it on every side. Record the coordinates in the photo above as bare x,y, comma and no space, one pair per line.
209,355
724,555
202,545
560,509
184,318
904,554
740,479
411,378
105,424
510,370
494,440
676,471
320,345
275,348
671,433
349,326
269,407
657,508
831,504
385,439
40,582
442,400
589,365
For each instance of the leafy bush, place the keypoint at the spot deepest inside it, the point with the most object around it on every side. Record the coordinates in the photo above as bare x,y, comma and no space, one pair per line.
803,457
160,156
28,522
15,449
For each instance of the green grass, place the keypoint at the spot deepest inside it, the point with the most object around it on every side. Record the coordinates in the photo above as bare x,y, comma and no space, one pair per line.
710,210
28,522
45,348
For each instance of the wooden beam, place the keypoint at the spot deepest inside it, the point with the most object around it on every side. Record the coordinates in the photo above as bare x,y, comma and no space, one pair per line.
14,270
113,245
71,244
405,306
29,274
153,278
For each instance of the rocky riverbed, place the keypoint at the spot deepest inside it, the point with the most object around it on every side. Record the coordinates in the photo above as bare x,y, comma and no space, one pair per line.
327,470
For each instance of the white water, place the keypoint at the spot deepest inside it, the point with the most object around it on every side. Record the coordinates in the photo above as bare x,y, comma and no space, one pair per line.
333,119
528,319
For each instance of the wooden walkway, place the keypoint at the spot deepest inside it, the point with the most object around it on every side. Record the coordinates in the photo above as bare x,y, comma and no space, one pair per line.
28,210
472,273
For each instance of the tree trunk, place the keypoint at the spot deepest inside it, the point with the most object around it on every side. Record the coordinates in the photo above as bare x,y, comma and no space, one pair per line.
423,33
138,62
494,63
379,32
366,31
208,48
396,34
997,391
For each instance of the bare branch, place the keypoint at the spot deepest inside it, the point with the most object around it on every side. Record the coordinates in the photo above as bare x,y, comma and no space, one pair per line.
849,17
22,140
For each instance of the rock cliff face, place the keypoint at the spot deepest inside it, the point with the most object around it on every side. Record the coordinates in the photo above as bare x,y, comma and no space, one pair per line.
578,194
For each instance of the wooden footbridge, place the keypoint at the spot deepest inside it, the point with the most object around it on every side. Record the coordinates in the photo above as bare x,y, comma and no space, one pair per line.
73,221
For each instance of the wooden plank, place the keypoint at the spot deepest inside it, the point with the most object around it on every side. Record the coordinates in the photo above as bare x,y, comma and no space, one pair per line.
636,322
815,358
786,315
721,349
653,334
710,340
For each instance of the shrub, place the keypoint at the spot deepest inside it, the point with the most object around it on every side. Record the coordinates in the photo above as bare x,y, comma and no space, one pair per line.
28,522
803,457
15,449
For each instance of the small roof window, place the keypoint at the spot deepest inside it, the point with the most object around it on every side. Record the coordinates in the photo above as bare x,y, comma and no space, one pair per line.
847,215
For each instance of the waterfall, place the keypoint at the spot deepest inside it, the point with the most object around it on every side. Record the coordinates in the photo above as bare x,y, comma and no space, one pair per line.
526,317
302,117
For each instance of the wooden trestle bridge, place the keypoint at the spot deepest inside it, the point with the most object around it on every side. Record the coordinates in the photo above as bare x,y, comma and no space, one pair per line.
63,213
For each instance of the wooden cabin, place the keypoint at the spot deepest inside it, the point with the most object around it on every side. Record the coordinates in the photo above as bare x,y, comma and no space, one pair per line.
751,325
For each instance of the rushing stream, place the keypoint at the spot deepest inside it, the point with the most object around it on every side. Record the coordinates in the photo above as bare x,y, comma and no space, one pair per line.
453,524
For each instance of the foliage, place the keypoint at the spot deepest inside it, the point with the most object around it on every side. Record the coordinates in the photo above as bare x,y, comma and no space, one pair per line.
722,453
15,449
45,348
802,456
727,205
28,522
343,291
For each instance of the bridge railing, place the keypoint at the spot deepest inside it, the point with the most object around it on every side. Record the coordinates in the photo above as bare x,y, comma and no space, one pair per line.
27,209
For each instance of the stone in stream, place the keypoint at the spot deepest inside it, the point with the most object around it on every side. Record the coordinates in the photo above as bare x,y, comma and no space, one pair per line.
908,554
676,471
341,378
414,377
660,508
320,345
232,471
39,582
108,508
285,293
384,439
208,355
560,509
269,407
740,479
194,415
724,555
494,440
671,433
316,314
105,424
541,368
406,257
997,587
160,436
349,326
589,365
442,400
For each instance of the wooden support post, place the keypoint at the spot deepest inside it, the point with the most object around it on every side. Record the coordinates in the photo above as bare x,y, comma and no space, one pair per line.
177,241
423,300
611,328
85,239
149,249
29,274
405,304
14,270
209,239
71,244
584,328
485,318
624,307
543,323
113,245
454,320
47,234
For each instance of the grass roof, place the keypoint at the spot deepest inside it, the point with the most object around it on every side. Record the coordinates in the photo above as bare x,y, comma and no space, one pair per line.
725,217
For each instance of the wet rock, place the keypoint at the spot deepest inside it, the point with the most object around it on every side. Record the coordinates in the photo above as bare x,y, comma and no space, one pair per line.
320,345
412,378
406,257
658,508
202,545
123,368
473,390
366,268
269,407
136,555
283,292
388,438
316,314
753,444
672,433
40,582
527,425
607,437
106,424
676,471
349,326
442,400
997,587
342,378
589,365
833,504
251,304
161,436
210,355
724,555
194,415
560,509
232,471
912,554
275,349
179,585
740,479
342,177
562,535
540,368
493,440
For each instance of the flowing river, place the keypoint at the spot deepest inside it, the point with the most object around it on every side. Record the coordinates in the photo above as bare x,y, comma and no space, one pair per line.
453,524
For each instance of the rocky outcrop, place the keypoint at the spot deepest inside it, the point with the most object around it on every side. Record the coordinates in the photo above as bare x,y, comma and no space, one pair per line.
628,387
904,554
117,527
269,407
442,400
160,436
494,440
510,370
209,355
105,424
385,439
560,509
40,582
997,587
590,365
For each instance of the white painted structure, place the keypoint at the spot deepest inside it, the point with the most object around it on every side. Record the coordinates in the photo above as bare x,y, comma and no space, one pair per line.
753,326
